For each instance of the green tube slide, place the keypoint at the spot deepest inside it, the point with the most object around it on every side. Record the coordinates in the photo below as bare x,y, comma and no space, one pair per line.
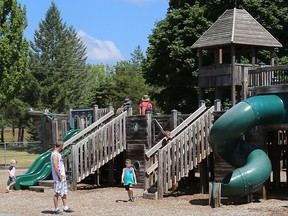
253,166
41,168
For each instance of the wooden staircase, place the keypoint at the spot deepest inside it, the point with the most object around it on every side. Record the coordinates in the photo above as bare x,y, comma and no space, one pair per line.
165,166
95,146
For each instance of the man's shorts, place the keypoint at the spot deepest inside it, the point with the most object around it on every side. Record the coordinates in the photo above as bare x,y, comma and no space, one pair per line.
12,179
127,187
60,188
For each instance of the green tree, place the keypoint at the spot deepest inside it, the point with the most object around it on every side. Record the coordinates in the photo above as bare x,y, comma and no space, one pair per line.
14,50
128,81
58,62
170,63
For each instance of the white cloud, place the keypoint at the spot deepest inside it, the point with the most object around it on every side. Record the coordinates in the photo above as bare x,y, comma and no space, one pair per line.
100,50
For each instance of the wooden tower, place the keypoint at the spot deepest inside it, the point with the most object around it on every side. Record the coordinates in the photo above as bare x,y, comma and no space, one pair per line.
228,49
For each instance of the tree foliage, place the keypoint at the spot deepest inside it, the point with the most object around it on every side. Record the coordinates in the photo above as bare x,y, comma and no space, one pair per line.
58,62
170,62
14,49
172,65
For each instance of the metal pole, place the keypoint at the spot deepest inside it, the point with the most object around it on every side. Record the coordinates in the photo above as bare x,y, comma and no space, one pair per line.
5,154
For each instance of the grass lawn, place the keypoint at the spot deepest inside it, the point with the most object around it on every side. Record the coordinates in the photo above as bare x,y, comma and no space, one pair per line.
24,158
8,135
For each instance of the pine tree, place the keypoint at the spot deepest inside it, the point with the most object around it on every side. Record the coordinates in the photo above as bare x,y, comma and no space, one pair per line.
58,62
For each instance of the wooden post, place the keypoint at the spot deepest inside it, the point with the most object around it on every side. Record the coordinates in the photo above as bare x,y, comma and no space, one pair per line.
149,129
272,55
111,172
146,177
130,111
217,105
244,82
160,174
220,56
233,81
55,130
95,112
203,176
97,177
64,128
81,123
74,171
253,55
110,108
173,122
201,103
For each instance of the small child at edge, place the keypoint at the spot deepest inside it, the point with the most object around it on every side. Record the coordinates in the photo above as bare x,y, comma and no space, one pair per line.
128,177
12,177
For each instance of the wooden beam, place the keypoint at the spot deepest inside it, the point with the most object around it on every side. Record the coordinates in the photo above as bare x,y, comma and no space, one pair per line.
233,81
253,57
272,55
220,56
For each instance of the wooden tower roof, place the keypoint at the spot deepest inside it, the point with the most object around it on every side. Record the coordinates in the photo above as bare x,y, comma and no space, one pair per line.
236,26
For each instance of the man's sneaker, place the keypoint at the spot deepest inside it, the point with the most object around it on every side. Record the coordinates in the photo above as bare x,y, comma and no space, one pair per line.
68,210
7,189
132,199
58,211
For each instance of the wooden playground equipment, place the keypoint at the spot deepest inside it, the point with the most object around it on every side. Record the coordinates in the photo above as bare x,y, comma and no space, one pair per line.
106,136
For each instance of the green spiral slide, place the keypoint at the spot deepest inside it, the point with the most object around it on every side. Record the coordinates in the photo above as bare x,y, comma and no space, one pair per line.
41,168
253,166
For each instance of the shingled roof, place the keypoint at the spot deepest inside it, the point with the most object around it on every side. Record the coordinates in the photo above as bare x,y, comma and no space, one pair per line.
236,26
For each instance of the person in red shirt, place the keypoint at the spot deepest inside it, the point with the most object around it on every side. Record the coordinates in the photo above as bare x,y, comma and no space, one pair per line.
145,105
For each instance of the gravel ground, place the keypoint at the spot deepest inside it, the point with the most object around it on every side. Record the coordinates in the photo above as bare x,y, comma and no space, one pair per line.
111,202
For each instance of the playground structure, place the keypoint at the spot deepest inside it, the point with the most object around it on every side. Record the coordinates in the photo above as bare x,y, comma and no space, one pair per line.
200,139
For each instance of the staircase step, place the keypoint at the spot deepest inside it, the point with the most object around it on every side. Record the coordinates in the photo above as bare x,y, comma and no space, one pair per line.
40,188
148,195
46,183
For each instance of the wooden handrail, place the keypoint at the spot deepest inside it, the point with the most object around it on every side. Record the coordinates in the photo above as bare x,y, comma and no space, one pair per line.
179,128
97,148
88,129
154,166
270,68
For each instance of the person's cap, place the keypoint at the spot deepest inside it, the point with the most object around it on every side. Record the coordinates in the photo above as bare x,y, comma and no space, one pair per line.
145,98
127,101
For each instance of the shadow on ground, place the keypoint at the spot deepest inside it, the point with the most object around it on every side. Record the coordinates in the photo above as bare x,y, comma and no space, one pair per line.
47,212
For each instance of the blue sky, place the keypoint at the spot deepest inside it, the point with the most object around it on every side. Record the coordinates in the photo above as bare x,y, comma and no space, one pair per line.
110,29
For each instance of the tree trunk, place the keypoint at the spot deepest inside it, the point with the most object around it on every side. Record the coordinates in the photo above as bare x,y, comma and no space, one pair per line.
20,134
13,134
2,135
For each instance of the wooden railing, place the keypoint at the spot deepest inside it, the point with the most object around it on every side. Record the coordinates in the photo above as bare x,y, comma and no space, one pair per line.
88,130
97,148
189,145
220,75
268,76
